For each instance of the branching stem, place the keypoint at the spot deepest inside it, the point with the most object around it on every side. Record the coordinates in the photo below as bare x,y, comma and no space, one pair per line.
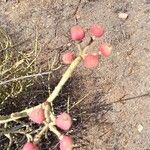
64,79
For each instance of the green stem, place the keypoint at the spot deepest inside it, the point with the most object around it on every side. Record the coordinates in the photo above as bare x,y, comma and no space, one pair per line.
17,115
64,79
12,117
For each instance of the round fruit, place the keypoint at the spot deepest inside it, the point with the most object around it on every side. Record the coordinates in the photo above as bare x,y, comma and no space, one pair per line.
105,50
77,33
97,30
68,57
30,146
91,61
66,143
37,115
64,121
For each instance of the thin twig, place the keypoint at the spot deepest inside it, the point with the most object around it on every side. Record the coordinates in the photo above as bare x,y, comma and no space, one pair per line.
10,141
15,45
78,102
39,135
68,104
76,11
25,77
47,112
54,130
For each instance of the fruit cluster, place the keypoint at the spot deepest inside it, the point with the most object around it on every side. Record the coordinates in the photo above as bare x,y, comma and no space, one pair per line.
62,121
90,60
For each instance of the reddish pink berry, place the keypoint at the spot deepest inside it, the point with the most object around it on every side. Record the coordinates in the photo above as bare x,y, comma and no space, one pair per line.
68,57
105,50
64,121
37,115
30,146
97,30
66,143
77,33
91,61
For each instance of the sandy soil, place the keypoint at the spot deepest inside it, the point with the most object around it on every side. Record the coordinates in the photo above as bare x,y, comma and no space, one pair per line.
124,77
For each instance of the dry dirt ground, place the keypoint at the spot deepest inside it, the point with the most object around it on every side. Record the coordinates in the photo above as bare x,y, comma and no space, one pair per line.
124,77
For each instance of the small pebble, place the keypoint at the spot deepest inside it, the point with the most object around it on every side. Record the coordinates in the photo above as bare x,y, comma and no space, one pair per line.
140,128
74,119
69,44
78,16
123,16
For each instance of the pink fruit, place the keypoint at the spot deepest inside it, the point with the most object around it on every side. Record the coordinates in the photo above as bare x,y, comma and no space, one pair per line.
68,57
37,115
105,50
91,61
77,33
64,121
30,146
66,143
97,30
